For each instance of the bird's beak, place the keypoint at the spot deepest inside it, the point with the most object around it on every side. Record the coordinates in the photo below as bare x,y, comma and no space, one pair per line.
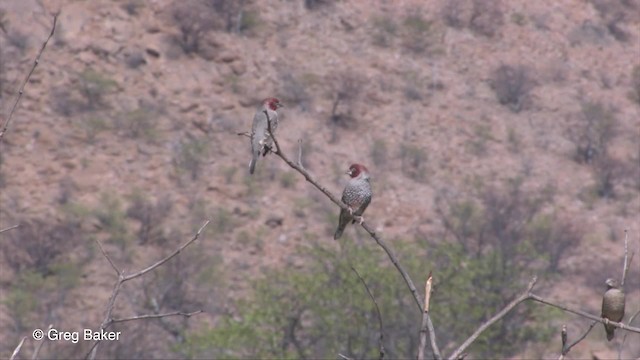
348,172
280,105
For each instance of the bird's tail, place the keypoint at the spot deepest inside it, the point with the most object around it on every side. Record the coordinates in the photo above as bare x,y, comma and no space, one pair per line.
342,224
254,159
610,331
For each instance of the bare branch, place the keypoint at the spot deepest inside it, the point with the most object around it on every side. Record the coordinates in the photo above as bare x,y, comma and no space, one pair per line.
345,357
9,228
155,316
380,343
113,265
26,80
627,259
567,347
522,297
584,314
159,263
37,351
364,225
17,349
122,278
624,338
563,338
425,322
300,153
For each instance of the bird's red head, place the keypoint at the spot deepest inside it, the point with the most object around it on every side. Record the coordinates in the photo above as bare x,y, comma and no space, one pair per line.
356,169
272,103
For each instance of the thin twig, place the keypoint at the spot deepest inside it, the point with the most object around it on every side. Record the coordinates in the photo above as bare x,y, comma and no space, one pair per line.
624,338
372,233
425,323
563,338
159,263
122,278
522,297
155,316
567,347
26,80
37,351
380,343
9,228
599,319
627,259
345,357
300,153
113,265
17,349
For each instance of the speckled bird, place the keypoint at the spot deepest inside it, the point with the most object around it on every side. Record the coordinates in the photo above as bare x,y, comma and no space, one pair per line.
612,306
356,195
260,138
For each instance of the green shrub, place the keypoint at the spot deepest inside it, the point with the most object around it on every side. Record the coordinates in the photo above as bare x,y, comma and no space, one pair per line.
94,86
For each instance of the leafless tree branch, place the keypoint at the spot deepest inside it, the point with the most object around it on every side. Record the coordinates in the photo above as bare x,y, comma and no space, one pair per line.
108,258
17,349
522,297
380,343
425,322
563,338
26,80
9,228
308,177
627,258
567,347
300,153
624,338
155,316
583,314
37,351
122,278
345,357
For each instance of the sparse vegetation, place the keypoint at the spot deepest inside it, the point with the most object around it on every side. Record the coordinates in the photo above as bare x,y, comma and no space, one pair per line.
512,85
197,18
384,31
140,123
483,17
420,35
288,179
345,91
317,4
94,86
379,153
189,156
634,94
294,90
151,215
18,39
414,162
592,131
93,125
132,7
112,219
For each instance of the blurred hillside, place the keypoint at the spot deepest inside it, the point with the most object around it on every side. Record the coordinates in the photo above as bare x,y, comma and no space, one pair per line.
487,124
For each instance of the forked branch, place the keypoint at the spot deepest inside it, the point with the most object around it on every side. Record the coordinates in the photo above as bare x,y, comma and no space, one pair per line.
122,278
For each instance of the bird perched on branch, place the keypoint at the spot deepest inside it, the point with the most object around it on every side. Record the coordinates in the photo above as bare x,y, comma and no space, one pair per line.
612,306
260,139
356,195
